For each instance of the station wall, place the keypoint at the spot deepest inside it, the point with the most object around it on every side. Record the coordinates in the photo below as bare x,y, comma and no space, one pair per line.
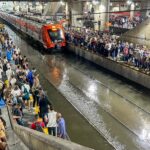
118,68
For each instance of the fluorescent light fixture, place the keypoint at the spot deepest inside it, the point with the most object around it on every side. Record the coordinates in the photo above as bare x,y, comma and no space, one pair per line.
129,2
62,3
95,2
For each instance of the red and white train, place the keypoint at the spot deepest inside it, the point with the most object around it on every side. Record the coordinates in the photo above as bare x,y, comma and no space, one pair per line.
48,34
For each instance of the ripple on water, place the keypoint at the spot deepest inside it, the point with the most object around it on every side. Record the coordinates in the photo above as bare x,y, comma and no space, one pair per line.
89,109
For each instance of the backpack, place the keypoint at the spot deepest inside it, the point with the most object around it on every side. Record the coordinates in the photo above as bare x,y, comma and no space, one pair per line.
38,127
26,94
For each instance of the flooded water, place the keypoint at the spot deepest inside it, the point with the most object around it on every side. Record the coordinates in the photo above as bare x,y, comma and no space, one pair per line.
118,109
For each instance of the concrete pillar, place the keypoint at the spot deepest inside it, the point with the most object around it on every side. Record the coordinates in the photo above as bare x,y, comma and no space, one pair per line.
104,16
69,12
101,17
14,8
96,16
132,8
20,6
66,10
77,8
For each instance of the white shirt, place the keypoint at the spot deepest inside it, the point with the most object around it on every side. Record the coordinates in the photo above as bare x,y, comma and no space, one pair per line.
52,121
16,93
9,74
8,65
17,50
13,81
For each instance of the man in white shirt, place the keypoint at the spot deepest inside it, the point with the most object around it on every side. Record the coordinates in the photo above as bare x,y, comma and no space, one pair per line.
9,73
13,81
16,92
52,121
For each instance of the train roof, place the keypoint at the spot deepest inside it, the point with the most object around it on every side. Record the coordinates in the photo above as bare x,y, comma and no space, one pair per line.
33,19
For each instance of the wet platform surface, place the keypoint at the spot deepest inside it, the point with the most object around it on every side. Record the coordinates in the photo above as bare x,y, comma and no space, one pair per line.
118,109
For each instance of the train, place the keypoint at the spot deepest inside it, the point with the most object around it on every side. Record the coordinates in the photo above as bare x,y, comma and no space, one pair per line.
50,35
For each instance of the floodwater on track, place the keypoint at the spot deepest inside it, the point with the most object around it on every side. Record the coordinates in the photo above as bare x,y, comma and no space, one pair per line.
118,109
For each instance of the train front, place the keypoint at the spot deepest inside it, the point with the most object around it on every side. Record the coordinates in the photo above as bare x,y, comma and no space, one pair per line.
53,36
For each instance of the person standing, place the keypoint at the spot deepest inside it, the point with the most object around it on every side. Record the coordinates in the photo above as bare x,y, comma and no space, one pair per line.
26,94
30,78
35,91
9,55
61,127
43,104
9,73
52,121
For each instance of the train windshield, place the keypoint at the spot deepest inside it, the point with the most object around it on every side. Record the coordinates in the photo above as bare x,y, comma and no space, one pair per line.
56,36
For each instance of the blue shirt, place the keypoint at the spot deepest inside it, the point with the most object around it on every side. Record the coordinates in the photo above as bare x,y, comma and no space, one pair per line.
30,77
62,128
8,55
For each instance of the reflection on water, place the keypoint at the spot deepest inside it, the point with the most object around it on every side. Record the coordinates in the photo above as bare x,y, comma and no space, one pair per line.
89,109
91,97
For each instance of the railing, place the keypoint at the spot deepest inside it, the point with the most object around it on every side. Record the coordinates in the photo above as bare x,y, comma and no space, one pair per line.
36,140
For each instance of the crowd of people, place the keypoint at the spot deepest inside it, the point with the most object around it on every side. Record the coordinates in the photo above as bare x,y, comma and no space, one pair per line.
21,90
125,21
108,45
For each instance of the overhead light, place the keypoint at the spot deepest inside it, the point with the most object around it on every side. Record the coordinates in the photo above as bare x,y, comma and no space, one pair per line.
87,3
129,2
62,3
136,4
95,2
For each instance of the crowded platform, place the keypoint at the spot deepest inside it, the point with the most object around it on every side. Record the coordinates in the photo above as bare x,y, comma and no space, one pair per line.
110,46
21,91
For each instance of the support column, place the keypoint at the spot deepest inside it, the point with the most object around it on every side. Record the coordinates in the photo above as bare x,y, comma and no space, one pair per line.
20,9
66,10
97,17
69,12
132,8
101,17
104,16
14,6
77,8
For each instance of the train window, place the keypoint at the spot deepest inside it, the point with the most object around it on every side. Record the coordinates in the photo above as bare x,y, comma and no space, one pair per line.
56,35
